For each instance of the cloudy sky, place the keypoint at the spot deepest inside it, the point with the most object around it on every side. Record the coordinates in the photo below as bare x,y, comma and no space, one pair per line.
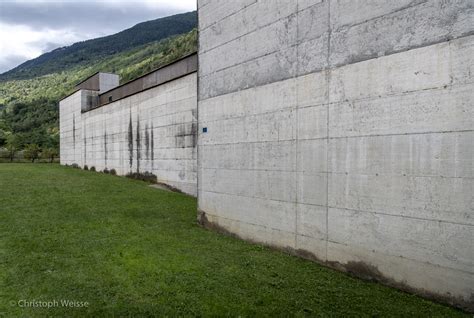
29,28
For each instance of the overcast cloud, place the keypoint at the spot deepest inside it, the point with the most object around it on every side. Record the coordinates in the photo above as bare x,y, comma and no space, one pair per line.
30,28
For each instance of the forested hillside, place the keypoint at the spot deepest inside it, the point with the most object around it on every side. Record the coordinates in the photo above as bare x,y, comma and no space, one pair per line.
29,106
83,53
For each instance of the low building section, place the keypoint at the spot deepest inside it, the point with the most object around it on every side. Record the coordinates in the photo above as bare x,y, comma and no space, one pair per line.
146,125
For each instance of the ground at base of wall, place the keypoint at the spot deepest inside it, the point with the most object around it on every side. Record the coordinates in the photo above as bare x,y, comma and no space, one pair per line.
126,249
357,269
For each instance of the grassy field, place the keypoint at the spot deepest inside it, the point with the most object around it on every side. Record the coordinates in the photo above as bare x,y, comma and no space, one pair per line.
130,250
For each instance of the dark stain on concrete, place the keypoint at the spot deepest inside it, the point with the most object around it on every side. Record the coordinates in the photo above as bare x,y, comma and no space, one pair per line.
85,148
147,142
74,130
194,128
152,148
179,137
184,131
138,144
357,269
130,141
105,148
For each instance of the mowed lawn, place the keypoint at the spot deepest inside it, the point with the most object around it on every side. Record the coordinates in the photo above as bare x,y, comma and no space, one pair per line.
131,250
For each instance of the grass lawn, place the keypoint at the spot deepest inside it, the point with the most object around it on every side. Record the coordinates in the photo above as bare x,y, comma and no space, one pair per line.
131,250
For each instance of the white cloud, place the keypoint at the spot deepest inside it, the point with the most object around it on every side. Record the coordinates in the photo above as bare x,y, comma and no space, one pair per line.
177,5
27,43
29,28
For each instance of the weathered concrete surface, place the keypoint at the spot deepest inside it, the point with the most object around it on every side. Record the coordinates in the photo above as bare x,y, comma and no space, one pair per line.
151,131
343,131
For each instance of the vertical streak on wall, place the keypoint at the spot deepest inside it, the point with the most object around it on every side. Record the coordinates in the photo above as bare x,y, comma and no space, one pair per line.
138,143
328,79
147,142
105,149
130,141
152,149
74,130
296,108
84,160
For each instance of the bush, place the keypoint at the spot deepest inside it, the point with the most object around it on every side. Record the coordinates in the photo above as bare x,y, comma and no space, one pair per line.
32,152
92,168
86,167
144,176
113,172
50,154
75,166
106,171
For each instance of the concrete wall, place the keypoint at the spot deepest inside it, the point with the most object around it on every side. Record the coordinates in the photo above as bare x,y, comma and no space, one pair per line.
100,81
343,131
151,131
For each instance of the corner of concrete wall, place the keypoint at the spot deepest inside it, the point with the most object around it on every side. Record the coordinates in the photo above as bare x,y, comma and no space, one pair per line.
108,81
70,128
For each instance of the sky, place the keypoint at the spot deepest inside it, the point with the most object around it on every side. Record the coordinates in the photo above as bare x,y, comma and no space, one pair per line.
29,28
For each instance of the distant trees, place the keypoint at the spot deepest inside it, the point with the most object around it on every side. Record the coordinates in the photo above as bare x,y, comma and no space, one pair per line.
29,108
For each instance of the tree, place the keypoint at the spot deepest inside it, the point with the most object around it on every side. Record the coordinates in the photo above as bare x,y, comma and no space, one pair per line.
32,152
3,137
50,154
12,146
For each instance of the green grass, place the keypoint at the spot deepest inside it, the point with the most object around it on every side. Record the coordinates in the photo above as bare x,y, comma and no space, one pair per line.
130,250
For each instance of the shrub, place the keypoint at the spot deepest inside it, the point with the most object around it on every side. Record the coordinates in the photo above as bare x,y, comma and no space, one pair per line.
50,154
86,167
113,172
75,166
32,152
144,176
105,171
92,168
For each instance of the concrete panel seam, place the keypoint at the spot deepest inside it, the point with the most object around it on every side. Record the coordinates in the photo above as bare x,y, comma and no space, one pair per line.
296,133
337,66
402,216
228,16
341,137
261,198
260,27
381,16
328,82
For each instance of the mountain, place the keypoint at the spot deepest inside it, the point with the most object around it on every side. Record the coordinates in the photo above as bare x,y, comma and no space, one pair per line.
82,53
29,93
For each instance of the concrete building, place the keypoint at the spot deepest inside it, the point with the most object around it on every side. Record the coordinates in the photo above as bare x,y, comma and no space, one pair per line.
338,130
146,125
342,131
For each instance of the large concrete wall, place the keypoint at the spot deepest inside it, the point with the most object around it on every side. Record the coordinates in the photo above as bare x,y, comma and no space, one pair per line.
150,131
343,131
